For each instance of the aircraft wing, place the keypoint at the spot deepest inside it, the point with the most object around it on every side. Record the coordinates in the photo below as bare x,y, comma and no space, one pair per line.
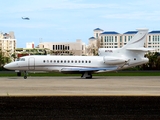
88,69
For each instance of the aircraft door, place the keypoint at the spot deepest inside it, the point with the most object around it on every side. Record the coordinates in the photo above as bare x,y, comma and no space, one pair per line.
31,63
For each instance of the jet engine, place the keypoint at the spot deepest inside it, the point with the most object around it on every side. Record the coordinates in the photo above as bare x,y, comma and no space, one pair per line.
114,60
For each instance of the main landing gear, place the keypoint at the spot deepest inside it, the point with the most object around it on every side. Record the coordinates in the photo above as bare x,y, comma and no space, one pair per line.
86,75
25,74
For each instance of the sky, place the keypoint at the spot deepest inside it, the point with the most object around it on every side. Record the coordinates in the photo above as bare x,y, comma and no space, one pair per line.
69,20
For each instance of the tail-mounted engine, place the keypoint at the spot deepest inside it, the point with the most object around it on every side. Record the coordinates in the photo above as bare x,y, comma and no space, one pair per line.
114,60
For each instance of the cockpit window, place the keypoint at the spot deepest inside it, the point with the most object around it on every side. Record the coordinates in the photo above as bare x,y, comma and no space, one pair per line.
22,59
17,59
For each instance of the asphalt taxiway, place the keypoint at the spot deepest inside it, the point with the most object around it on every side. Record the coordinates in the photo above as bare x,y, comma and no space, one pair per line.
75,86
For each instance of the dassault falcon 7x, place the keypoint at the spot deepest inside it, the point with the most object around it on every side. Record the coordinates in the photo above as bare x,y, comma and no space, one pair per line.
109,59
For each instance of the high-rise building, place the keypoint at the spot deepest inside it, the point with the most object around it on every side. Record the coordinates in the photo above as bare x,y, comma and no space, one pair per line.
7,44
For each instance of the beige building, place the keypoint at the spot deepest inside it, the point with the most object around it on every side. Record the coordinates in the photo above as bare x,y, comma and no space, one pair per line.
65,48
153,40
7,43
94,43
112,39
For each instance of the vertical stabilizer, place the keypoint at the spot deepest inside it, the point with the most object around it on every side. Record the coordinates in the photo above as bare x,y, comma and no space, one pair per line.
138,40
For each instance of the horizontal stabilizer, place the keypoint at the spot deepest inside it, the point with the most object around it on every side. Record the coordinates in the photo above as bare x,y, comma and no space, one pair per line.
141,49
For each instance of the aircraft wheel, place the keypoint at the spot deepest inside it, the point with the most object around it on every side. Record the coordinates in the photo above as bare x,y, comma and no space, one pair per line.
82,75
25,77
89,77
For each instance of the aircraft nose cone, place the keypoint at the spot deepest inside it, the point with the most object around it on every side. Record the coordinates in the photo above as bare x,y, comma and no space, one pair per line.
8,66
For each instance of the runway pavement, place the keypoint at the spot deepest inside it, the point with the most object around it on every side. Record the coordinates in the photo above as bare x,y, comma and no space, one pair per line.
75,86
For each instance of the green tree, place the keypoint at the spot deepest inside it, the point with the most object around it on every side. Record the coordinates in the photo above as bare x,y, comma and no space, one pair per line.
154,61
13,56
3,59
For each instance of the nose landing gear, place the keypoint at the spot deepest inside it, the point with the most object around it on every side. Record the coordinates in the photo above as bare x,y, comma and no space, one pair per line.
25,74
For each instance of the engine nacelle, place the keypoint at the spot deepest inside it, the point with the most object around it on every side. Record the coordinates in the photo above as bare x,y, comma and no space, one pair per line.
114,60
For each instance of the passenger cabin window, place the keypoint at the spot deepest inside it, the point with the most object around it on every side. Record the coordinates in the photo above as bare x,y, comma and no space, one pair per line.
61,61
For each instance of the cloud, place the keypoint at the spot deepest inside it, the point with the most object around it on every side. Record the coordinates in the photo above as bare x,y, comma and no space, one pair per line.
154,16
41,5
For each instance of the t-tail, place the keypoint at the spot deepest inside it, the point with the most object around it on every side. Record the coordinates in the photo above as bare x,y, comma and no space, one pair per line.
135,44
135,50
132,53
138,40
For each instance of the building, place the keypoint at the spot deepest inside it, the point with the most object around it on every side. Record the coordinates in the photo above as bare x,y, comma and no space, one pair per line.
94,43
153,40
112,39
65,48
7,44
30,45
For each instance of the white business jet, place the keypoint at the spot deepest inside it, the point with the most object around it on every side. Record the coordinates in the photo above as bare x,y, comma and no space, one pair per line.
109,59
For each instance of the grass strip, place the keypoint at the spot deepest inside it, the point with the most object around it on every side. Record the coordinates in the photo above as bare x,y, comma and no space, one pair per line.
119,73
